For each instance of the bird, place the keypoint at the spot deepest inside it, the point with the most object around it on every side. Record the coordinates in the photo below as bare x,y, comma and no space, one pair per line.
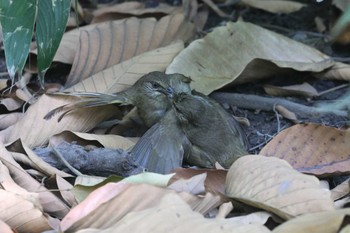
196,130
214,134
151,104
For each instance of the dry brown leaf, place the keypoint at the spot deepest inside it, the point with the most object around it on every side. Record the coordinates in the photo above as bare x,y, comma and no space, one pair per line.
341,190
125,74
6,120
127,9
113,42
34,130
22,212
339,71
35,161
312,148
110,203
4,228
107,141
214,182
286,113
51,204
304,89
193,185
213,62
274,6
172,214
325,222
272,184
64,189
11,104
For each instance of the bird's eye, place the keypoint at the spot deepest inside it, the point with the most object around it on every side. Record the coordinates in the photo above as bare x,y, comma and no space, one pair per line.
155,85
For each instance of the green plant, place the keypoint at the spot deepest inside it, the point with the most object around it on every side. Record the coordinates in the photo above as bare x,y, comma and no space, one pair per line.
19,18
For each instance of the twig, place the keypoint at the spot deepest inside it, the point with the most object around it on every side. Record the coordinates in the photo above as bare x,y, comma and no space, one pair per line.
266,103
278,119
70,167
333,89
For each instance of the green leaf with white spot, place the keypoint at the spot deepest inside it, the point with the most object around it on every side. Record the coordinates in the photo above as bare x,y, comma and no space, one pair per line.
17,19
51,24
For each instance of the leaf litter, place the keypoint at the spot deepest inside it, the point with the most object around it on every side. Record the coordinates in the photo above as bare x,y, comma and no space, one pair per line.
284,182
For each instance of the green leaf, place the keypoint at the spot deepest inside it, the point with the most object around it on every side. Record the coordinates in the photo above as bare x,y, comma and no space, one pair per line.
17,20
51,24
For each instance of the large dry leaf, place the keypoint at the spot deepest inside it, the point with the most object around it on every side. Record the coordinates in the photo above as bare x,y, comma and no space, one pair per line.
107,141
22,213
6,120
274,6
50,203
113,42
125,74
328,222
34,130
312,148
172,214
272,184
242,52
110,203
127,9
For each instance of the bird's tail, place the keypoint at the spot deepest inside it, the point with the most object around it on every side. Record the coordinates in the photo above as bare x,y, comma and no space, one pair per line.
87,100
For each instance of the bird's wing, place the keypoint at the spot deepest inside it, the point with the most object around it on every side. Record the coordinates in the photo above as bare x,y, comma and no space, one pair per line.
162,147
87,99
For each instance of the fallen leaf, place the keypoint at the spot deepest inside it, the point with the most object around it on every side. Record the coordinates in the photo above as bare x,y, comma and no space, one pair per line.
127,9
341,190
304,89
6,120
11,104
274,6
110,203
272,184
213,62
113,42
51,204
122,76
324,222
172,214
34,130
194,185
106,141
23,213
312,148
214,182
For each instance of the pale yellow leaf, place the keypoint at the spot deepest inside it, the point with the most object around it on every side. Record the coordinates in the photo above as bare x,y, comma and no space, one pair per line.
22,213
324,222
113,42
7,120
243,52
50,202
34,130
272,184
125,74
171,214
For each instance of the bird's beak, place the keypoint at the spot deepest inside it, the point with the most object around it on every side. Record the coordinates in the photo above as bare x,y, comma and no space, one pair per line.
170,92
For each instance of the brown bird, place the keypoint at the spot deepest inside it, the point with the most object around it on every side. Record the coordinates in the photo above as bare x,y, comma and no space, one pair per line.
197,130
214,134
151,103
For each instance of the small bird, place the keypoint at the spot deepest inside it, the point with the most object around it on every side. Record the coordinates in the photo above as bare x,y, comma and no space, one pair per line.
214,134
146,95
196,130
